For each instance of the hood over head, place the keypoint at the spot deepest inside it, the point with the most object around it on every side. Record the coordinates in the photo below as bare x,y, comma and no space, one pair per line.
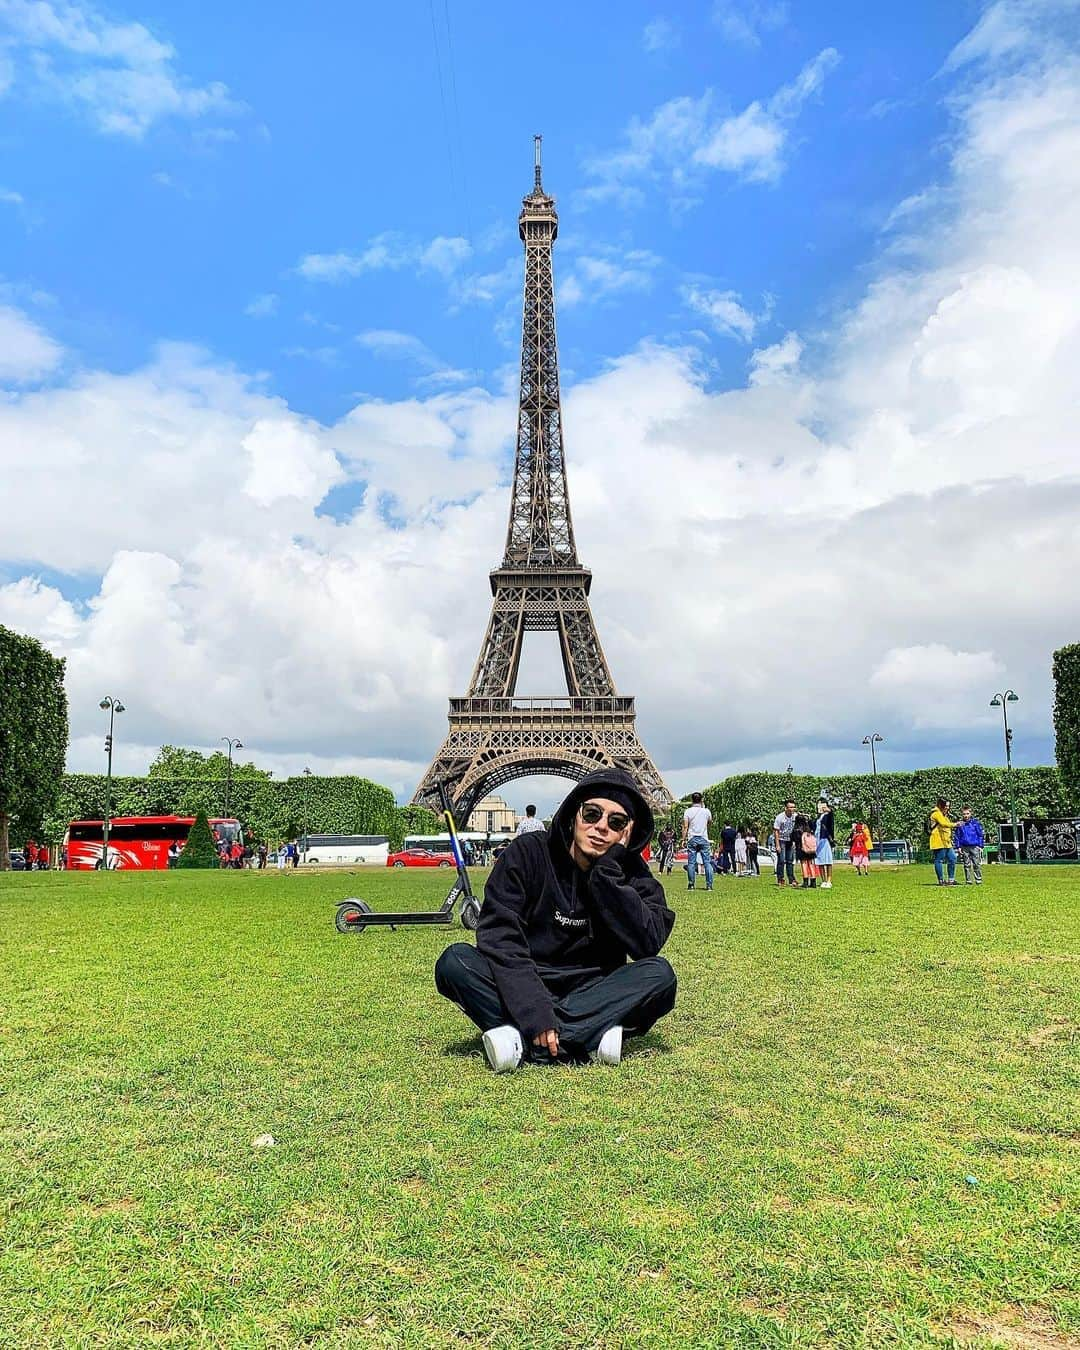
618,786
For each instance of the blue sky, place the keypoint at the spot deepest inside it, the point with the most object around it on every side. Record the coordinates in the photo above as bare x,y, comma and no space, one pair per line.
259,323
342,133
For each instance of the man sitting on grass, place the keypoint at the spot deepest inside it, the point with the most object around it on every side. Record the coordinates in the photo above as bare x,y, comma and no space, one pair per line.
562,912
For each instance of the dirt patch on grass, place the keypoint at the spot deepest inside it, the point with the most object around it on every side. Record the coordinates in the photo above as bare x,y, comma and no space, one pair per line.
778,1312
1013,1326
1057,1030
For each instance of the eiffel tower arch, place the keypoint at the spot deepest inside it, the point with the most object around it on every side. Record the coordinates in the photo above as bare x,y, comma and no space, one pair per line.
497,735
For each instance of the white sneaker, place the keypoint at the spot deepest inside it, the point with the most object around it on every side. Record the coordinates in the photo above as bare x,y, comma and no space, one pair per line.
609,1051
503,1048
826,885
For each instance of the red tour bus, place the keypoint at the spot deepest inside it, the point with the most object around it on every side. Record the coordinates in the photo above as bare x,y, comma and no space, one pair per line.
134,841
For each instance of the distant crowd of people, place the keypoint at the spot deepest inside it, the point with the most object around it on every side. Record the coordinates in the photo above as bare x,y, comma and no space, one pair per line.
255,854
808,842
37,856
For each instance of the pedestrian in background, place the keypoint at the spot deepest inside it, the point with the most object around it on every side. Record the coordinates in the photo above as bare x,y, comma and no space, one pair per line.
741,868
941,843
970,839
728,835
805,850
696,820
783,835
858,850
824,830
665,844
751,852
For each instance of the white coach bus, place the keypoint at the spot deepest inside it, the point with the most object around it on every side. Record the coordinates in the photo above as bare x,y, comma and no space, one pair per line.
346,848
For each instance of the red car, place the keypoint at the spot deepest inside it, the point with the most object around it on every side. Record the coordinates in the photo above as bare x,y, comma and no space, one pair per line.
419,857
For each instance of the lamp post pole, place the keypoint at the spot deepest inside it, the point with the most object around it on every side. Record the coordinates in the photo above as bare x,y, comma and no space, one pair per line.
234,743
873,741
1002,701
114,706
307,775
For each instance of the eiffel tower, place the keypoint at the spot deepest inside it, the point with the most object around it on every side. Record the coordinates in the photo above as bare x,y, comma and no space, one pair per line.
495,734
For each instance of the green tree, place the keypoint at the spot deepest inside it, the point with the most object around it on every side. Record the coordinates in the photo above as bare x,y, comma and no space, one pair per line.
177,761
1067,718
200,849
33,735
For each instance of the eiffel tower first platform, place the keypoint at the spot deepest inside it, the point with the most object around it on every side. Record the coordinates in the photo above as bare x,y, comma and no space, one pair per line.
497,735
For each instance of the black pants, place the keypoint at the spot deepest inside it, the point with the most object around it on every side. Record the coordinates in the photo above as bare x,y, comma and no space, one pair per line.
632,997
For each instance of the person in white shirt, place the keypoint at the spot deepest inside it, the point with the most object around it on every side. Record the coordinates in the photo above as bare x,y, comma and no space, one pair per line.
783,827
530,823
695,836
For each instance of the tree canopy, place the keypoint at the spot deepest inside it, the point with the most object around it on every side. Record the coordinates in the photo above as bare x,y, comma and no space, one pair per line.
33,734
176,761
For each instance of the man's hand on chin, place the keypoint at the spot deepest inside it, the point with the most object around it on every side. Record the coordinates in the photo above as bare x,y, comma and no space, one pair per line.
548,1040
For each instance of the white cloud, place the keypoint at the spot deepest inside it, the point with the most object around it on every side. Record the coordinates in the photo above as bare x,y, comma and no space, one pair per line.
389,252
605,272
11,198
660,35
27,352
685,138
771,365
874,533
119,73
744,21
262,306
723,311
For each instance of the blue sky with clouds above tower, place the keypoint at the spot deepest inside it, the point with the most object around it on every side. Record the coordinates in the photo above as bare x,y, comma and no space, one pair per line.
818,278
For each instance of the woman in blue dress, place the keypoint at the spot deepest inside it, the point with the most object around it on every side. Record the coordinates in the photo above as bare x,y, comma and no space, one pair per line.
824,829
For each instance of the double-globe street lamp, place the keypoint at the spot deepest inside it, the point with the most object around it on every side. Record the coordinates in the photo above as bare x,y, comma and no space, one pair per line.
234,743
114,706
307,775
1002,701
873,741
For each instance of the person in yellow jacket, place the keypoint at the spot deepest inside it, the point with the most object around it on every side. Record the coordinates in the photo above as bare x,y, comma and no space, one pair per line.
941,849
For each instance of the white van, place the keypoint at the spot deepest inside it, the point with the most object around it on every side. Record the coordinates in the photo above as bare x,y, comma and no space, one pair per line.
346,848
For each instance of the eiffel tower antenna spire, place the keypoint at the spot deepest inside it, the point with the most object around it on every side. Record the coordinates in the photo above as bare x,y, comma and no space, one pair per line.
495,734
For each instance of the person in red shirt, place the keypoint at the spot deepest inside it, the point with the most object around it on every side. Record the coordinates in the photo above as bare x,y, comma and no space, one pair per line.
236,853
31,852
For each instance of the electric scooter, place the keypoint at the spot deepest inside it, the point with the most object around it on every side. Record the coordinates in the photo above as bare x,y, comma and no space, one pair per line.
354,915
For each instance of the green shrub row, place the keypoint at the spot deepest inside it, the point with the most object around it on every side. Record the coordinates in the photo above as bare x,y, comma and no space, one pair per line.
1067,716
906,798
268,808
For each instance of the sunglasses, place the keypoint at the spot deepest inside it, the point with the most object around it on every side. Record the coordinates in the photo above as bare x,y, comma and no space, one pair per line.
592,814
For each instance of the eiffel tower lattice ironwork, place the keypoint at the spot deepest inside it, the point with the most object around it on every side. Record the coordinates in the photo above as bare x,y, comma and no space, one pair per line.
495,734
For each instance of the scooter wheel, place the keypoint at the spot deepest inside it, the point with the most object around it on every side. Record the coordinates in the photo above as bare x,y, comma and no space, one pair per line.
350,916
470,916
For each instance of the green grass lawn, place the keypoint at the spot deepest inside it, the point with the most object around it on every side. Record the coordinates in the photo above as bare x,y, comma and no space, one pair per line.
859,1126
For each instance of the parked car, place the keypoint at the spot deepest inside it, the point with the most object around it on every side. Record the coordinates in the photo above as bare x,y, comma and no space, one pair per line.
419,857
17,859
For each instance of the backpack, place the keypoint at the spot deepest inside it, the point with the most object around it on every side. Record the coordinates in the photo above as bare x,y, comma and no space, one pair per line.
809,843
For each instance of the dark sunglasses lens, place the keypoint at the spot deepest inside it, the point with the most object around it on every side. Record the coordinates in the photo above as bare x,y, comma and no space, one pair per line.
592,814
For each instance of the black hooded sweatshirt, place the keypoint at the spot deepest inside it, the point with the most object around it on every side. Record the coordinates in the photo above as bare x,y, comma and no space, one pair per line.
548,926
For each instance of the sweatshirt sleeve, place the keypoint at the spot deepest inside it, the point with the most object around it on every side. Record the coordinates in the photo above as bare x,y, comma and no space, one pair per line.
630,902
501,937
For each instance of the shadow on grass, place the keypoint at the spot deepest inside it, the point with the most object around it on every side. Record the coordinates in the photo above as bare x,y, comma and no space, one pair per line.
651,1044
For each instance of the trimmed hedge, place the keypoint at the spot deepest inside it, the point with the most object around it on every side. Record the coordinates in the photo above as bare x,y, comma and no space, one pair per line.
906,798
269,809
1067,717
199,850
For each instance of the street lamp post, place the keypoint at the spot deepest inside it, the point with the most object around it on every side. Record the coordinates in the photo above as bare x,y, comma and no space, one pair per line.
114,706
234,743
1002,701
307,775
873,741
